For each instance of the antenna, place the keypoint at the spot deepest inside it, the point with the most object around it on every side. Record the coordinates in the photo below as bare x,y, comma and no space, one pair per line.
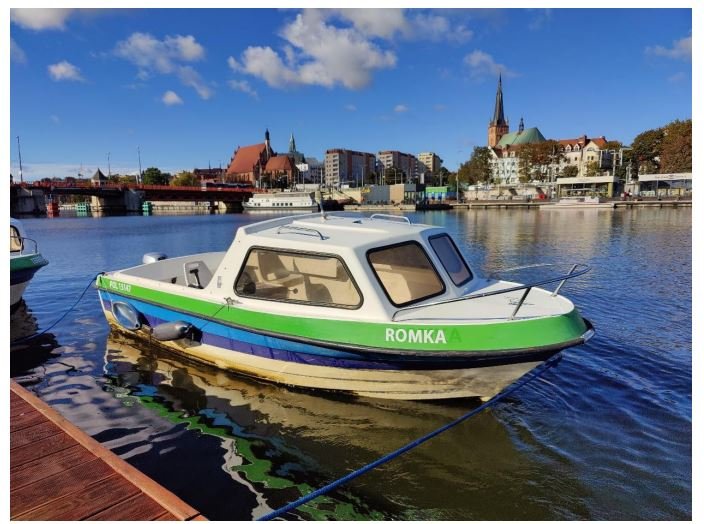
19,152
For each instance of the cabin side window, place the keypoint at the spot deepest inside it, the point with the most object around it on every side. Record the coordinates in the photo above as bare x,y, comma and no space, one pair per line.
318,280
15,240
451,259
405,273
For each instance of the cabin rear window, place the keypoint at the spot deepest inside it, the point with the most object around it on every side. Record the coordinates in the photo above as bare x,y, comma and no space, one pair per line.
451,259
15,240
406,273
319,280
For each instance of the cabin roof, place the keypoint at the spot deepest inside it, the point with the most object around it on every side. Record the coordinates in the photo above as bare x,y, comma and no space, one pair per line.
349,230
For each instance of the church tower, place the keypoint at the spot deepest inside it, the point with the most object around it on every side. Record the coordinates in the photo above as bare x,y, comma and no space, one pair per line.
498,125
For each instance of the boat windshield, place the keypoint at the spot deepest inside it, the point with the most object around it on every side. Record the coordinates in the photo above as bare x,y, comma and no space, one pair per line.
406,273
451,259
15,240
308,278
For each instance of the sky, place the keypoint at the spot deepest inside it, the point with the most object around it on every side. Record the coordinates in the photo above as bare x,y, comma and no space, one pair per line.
186,87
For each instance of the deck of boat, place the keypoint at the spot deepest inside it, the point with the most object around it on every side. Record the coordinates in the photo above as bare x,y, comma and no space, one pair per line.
57,472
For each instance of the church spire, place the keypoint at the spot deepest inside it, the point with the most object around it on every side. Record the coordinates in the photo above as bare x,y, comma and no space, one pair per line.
521,126
499,119
292,144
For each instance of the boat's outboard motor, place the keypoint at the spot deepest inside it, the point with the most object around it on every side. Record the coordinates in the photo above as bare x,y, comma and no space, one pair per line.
154,256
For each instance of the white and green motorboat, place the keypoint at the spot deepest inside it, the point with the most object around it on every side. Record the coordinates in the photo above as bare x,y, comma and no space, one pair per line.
375,306
25,261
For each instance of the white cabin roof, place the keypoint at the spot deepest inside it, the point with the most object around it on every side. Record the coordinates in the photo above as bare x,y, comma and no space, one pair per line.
349,230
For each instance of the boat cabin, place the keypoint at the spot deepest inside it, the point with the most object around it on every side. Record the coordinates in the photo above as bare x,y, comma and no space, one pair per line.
339,262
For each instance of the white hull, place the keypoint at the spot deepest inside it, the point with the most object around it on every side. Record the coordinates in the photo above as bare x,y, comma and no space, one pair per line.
272,208
482,382
16,292
554,207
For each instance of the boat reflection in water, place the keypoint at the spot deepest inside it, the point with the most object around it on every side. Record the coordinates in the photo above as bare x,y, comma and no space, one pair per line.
282,443
25,353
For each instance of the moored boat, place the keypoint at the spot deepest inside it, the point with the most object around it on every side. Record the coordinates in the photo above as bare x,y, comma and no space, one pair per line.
25,261
281,201
585,202
373,306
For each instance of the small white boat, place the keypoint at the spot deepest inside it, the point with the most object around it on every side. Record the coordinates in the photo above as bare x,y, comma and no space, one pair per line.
25,261
578,203
281,201
374,306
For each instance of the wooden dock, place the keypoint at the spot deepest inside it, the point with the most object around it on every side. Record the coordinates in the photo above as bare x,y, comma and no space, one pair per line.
57,472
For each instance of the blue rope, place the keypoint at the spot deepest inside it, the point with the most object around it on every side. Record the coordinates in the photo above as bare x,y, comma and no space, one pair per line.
386,458
30,337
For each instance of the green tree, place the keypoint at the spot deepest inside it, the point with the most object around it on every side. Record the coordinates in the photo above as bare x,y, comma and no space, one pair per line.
647,147
152,176
477,168
185,179
676,147
569,170
593,168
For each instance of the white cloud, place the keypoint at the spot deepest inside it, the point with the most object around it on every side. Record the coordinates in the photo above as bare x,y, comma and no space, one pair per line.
351,107
243,85
55,119
165,57
681,49
64,71
39,19
16,52
382,23
319,54
400,108
438,28
483,64
171,99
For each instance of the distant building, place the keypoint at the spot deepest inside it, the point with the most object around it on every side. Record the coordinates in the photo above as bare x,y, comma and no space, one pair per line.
431,163
249,162
312,171
98,179
498,125
296,156
344,166
405,162
280,171
583,151
215,174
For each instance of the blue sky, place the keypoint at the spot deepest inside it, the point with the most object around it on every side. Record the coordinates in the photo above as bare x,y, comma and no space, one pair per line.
187,86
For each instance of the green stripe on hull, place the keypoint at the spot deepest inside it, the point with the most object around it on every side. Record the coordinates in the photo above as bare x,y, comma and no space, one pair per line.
27,262
507,335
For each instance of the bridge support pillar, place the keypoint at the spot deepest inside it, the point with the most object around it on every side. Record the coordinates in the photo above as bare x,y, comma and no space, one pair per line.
27,202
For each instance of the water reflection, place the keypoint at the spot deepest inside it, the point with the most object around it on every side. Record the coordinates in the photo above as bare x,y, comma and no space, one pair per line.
28,348
281,443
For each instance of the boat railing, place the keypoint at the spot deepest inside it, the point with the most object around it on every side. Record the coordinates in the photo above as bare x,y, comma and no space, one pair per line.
297,230
577,270
392,218
24,250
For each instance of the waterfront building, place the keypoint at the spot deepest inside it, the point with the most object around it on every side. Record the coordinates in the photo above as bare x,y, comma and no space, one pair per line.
431,164
600,185
279,171
345,166
498,125
249,162
587,154
312,171
405,162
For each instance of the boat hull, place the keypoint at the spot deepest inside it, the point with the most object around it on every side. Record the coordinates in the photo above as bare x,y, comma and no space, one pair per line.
22,270
301,364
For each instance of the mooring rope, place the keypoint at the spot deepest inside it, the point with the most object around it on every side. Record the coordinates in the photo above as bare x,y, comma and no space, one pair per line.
30,337
526,379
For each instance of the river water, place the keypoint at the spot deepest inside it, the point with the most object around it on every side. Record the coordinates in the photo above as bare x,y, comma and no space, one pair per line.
604,435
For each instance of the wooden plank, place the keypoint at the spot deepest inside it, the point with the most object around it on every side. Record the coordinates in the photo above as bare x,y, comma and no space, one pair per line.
47,465
135,508
24,419
30,452
50,488
81,505
31,435
168,501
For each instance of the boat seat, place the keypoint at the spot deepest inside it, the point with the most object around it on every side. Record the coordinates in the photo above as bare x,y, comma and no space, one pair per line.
197,274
